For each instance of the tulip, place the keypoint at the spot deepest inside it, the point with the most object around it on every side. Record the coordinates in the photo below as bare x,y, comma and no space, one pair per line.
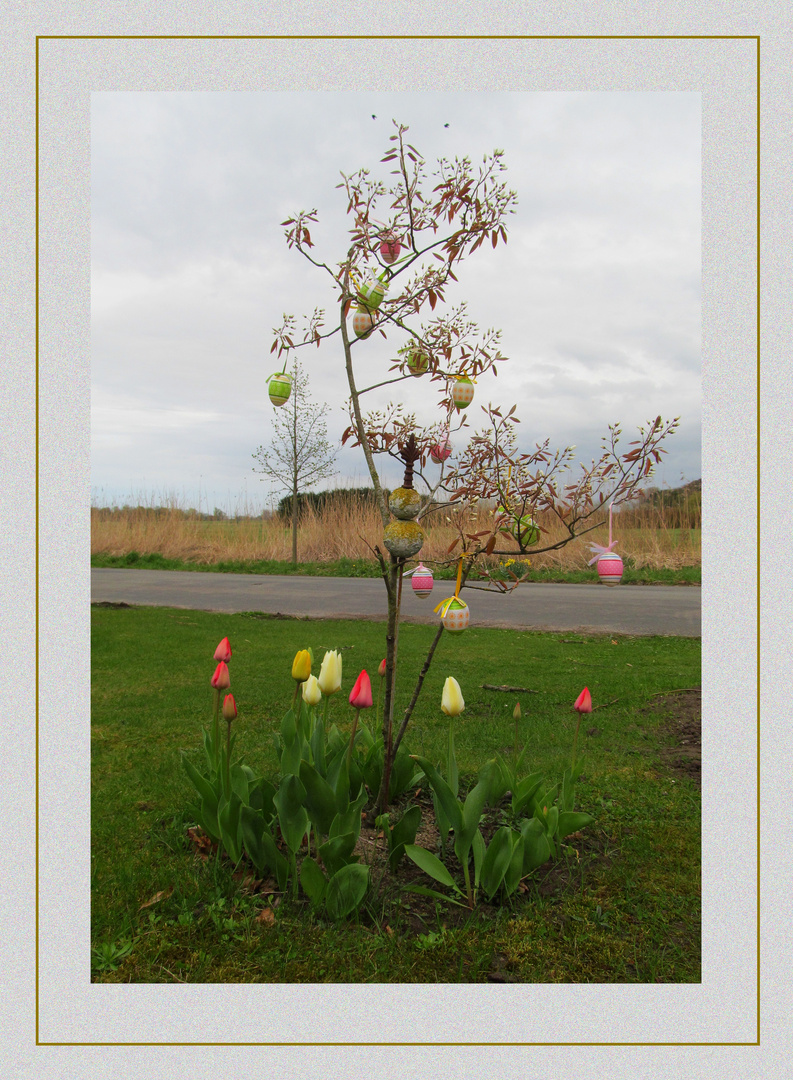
452,701
229,712
301,665
223,651
381,669
361,693
221,680
583,703
311,691
330,673
229,708
360,698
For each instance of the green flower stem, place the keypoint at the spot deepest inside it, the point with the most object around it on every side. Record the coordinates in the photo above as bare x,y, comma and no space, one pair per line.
216,731
325,713
352,739
379,693
575,739
468,883
228,759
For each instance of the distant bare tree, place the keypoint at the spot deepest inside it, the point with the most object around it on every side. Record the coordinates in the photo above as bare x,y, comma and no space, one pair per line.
299,454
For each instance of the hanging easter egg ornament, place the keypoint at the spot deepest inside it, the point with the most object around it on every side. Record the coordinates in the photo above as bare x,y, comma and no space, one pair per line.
524,529
389,248
371,293
609,564
455,615
422,581
280,387
441,451
462,392
404,537
363,322
609,568
416,359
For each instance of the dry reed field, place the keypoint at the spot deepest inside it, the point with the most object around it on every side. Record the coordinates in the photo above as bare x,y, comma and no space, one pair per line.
650,533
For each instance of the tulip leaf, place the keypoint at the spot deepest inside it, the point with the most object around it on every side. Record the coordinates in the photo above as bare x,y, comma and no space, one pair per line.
515,869
431,865
478,849
524,791
497,860
404,832
570,822
239,782
289,728
422,890
497,776
350,820
402,773
292,816
277,862
313,881
338,852
449,803
229,822
318,746
320,798
291,758
260,797
202,785
472,814
346,890
536,849
252,826
452,774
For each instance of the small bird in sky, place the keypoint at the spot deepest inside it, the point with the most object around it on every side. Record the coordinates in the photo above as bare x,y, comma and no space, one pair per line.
445,125
373,116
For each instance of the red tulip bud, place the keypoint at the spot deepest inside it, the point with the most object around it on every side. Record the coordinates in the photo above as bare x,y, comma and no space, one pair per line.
221,680
361,695
583,703
229,708
223,651
381,669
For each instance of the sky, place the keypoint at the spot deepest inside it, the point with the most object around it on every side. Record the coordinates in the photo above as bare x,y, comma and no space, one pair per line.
597,292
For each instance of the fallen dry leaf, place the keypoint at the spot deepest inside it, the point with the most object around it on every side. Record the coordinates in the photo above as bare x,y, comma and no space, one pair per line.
266,917
157,897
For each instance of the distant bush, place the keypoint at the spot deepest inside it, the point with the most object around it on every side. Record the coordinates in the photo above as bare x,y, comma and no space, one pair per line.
317,501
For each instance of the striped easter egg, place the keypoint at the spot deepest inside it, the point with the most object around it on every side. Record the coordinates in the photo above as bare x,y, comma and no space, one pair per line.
609,568
389,248
422,581
371,293
363,322
280,387
456,616
441,451
463,392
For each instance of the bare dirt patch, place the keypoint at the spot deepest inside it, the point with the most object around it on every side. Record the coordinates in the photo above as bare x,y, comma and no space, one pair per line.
682,729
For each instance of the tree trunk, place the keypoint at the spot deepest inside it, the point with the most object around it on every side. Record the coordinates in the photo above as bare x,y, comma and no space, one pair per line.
294,523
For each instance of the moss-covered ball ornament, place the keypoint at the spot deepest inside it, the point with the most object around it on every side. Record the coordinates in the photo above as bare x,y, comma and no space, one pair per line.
462,392
403,538
389,248
363,322
404,503
456,615
280,387
609,568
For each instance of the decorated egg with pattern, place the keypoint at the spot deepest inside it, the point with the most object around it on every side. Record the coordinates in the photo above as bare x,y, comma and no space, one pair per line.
422,581
389,248
363,322
609,568
524,529
280,387
371,293
417,360
441,451
456,616
462,392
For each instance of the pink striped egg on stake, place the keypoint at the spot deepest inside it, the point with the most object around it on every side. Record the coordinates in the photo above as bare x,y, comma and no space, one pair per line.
456,615
462,392
422,581
280,387
609,568
441,451
363,322
389,248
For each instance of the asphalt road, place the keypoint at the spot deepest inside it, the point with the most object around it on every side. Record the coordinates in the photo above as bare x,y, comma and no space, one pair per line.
623,609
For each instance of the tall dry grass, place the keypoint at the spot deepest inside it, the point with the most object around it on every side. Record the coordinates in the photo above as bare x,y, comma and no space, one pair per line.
652,535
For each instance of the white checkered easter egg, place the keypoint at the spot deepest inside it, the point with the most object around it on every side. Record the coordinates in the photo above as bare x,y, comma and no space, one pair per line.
389,248
457,615
441,451
363,322
280,388
422,581
609,568
463,392
371,293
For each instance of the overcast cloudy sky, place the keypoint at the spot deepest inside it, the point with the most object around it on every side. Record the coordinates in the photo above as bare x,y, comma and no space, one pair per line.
597,292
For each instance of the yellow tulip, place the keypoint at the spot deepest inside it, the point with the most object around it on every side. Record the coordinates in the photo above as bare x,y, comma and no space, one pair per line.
311,691
330,673
301,666
452,701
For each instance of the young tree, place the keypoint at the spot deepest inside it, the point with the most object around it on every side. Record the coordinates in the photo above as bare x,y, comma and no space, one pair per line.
299,454
392,280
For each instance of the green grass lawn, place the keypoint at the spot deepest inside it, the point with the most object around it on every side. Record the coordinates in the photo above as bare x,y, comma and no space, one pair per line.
621,905
644,575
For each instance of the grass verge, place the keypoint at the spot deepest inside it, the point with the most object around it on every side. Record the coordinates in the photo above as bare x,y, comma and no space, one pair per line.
621,905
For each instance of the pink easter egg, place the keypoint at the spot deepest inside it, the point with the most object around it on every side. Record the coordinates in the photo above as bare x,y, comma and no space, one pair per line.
441,451
422,581
389,248
609,568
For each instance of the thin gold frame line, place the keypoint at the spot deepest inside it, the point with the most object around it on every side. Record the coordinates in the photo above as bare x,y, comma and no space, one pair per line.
355,37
